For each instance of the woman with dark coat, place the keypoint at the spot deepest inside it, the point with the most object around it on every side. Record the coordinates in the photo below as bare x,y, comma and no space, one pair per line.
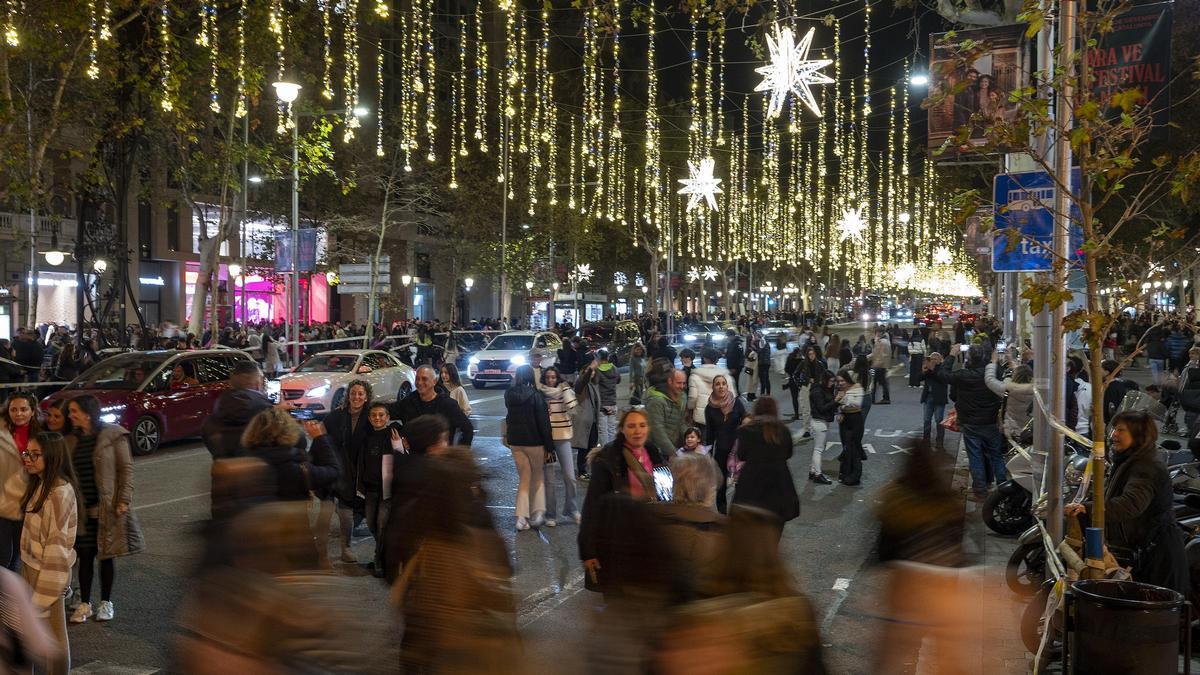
765,445
348,428
1139,520
624,466
530,438
722,417
795,378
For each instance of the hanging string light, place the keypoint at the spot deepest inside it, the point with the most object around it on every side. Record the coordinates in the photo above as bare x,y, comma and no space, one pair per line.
11,37
240,110
430,80
481,79
323,9
167,102
653,174
379,100
350,72
458,129
209,40
275,26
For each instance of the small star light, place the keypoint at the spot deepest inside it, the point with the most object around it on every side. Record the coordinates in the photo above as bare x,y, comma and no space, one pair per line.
639,280
790,70
851,224
620,279
710,274
700,184
942,256
693,274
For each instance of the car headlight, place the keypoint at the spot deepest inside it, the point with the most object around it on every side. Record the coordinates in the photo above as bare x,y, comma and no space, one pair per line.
474,360
109,414
866,317
718,338
317,392
689,338
517,360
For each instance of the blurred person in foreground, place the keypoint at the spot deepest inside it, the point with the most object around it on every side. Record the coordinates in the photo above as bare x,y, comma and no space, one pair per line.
241,615
920,544
690,520
757,622
453,590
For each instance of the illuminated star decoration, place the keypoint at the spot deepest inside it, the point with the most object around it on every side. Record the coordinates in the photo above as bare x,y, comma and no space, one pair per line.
583,272
693,274
851,225
942,256
710,274
639,280
620,278
904,274
790,70
700,184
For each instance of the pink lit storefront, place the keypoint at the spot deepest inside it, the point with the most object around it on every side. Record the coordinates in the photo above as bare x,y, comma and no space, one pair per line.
253,298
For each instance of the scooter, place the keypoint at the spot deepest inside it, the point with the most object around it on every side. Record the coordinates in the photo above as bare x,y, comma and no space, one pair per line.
1008,510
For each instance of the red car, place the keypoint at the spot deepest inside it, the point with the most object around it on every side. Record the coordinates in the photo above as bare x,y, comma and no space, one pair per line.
135,390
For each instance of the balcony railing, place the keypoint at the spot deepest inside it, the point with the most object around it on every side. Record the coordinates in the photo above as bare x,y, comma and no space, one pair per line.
17,225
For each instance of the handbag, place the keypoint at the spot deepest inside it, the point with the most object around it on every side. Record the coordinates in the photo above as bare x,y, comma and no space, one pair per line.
733,465
951,421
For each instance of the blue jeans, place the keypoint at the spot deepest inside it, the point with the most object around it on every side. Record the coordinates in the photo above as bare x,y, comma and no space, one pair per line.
985,452
934,413
565,464
1157,366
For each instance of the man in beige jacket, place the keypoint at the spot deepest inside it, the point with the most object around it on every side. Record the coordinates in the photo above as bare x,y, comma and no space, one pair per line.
881,361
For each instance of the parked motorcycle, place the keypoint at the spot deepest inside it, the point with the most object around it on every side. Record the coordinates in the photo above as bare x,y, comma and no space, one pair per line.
1008,510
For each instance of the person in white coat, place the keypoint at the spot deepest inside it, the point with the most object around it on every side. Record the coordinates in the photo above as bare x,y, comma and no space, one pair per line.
700,384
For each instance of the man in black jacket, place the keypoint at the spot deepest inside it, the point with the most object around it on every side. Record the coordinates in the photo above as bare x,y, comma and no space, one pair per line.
222,431
735,358
427,401
934,397
978,409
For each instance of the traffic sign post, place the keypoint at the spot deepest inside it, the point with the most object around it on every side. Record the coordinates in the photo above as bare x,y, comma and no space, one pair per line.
1025,212
356,278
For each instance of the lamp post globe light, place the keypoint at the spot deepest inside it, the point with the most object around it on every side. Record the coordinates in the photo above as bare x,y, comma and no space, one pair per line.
54,257
468,282
100,265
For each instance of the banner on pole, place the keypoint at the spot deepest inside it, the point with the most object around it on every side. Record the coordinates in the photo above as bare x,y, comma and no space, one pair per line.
1136,55
1024,234
308,250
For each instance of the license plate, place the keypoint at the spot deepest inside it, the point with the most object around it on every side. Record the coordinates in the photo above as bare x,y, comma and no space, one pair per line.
492,371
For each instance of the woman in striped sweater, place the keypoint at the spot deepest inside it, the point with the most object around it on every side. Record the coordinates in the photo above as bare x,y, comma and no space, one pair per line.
560,400
51,508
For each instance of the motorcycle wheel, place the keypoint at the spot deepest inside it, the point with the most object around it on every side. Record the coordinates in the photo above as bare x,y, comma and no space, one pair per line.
1026,568
1008,514
1031,634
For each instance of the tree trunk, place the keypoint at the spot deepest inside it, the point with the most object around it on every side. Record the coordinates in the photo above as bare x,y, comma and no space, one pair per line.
652,296
209,248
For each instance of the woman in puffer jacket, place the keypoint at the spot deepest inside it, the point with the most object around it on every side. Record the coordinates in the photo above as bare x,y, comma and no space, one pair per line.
560,401
1018,406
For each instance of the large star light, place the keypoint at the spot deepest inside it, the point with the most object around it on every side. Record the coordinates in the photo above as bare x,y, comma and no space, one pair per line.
851,225
700,184
791,71
710,274
942,256
693,274
582,272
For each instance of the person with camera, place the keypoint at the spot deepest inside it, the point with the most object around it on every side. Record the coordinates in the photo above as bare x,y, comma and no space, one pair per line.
978,408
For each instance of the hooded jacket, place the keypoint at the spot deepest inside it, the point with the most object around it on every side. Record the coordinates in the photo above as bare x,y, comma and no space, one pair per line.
608,379
1018,407
700,388
528,418
822,403
222,431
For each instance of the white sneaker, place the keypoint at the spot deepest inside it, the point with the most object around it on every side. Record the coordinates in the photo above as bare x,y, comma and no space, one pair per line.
576,518
82,613
522,524
105,612
550,522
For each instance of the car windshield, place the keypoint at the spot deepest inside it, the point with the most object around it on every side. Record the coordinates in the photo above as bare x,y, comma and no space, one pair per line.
328,363
712,327
511,342
125,371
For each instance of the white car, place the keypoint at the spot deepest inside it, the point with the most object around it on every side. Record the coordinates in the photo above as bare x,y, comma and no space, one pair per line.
776,328
499,360
319,383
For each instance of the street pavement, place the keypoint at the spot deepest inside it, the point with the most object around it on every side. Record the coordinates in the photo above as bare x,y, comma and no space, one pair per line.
829,548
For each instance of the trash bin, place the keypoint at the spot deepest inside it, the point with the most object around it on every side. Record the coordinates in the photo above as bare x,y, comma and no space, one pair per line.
1125,627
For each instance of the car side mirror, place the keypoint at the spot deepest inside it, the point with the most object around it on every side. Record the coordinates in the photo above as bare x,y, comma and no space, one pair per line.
363,370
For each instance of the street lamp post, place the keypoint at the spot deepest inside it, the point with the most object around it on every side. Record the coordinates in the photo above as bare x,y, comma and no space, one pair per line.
287,92
467,284
405,280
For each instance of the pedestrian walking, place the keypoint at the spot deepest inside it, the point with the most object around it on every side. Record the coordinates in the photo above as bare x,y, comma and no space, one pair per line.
824,408
977,408
560,401
665,410
934,397
735,358
51,509
528,434
585,425
637,373
607,378
850,397
347,428
916,357
764,444
722,416
102,462
881,361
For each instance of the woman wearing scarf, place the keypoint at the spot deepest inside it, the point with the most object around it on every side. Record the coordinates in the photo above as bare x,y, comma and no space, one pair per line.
722,417
624,466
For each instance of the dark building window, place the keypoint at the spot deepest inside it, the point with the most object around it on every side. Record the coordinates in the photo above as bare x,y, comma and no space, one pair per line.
421,263
145,229
173,228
